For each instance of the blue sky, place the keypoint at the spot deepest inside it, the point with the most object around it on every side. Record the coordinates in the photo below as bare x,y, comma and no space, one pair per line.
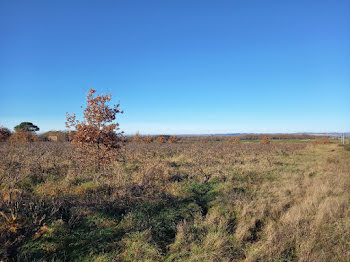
179,66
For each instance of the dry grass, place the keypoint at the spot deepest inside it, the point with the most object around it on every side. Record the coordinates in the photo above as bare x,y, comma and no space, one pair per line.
176,202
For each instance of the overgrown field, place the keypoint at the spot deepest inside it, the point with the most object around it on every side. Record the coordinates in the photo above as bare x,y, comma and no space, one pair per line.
176,202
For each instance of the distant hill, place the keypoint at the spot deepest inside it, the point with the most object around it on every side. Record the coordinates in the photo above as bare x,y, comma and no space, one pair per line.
331,134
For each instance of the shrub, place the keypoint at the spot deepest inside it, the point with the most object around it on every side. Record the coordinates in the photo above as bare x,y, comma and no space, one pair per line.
161,139
23,137
237,140
5,134
230,140
148,139
204,140
137,138
265,140
321,141
325,140
173,139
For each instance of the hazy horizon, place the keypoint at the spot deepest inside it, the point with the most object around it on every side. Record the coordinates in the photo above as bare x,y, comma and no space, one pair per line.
41,131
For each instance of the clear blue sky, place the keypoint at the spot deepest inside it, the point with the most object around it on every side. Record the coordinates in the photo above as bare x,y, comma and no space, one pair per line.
179,66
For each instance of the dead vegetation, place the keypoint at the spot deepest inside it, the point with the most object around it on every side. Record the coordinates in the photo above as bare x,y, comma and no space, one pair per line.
5,134
265,140
23,137
176,202
161,140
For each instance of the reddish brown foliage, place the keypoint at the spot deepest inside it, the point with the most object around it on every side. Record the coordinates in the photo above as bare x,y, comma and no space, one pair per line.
265,140
148,139
321,141
237,140
161,139
325,140
230,140
71,135
173,139
96,137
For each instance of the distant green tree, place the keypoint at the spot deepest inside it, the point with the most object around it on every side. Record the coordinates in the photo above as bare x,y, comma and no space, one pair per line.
27,126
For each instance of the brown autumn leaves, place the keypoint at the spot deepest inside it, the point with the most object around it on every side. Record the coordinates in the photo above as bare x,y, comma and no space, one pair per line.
97,138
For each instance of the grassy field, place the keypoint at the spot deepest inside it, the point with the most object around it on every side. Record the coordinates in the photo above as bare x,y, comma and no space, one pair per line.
177,202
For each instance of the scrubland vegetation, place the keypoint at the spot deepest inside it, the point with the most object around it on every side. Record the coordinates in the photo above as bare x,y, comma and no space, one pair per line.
104,197
176,202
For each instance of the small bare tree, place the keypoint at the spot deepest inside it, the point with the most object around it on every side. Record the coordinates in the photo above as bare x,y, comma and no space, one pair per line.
97,137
